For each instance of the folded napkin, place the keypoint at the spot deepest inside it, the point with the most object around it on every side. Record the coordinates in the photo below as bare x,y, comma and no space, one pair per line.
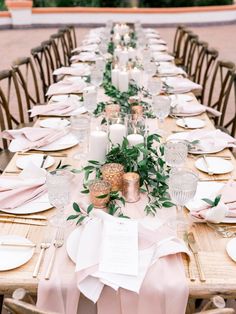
225,208
180,107
159,42
91,40
18,190
67,87
85,56
170,69
181,85
80,70
60,108
92,47
208,140
159,57
30,138
158,47
152,36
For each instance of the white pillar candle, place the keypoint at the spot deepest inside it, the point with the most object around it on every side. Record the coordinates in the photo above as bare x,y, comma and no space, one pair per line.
123,57
132,53
135,75
123,81
117,133
135,139
115,77
116,39
126,38
117,52
98,146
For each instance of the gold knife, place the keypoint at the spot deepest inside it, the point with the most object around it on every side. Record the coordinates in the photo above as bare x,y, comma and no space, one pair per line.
14,220
193,246
33,217
191,273
17,244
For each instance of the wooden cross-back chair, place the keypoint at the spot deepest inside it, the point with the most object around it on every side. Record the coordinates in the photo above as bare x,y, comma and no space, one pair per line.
65,31
44,64
73,35
61,48
178,40
196,53
218,311
29,84
20,307
220,89
188,49
182,46
203,70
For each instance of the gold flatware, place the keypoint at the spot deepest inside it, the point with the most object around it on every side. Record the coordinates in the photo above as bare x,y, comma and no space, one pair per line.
33,217
43,247
191,273
41,152
17,244
19,221
13,172
59,241
209,155
216,179
43,161
210,173
193,246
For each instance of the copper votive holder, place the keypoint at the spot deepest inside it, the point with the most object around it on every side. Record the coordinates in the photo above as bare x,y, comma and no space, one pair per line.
131,187
112,109
137,110
134,100
99,188
113,173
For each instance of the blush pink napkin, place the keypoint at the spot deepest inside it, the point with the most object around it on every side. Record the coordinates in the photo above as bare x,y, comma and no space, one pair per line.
182,85
80,70
12,198
30,138
67,87
60,108
228,197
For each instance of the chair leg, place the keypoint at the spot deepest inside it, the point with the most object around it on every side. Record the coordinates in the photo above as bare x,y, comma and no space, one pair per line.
1,302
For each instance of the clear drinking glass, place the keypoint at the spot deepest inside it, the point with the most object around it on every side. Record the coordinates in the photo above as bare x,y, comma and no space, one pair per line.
149,67
80,127
182,188
136,124
161,108
154,85
175,152
90,98
58,186
96,77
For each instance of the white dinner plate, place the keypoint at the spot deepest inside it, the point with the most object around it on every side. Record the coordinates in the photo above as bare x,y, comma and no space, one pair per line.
39,204
72,244
190,123
23,161
72,79
54,123
67,141
12,256
230,249
57,98
207,190
183,136
216,165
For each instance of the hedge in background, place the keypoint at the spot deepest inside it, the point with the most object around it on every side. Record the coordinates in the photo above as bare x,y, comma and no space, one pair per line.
126,3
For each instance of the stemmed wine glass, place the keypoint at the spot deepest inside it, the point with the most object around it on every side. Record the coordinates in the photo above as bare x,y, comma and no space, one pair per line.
161,108
80,127
182,188
97,77
58,186
175,152
154,85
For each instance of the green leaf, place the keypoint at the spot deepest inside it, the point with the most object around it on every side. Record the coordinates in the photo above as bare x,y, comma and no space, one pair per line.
80,220
84,191
217,200
208,201
94,162
90,208
76,207
167,204
71,217
102,196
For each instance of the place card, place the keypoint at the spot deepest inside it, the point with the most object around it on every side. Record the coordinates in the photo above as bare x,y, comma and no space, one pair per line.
119,252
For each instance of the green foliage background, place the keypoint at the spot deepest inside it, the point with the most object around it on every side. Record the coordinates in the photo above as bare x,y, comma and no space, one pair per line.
126,3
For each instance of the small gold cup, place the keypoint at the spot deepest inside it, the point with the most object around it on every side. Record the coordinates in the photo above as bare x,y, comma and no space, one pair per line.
111,110
131,187
98,188
113,173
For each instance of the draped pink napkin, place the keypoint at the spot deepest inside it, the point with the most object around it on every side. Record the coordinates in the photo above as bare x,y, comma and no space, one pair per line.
160,57
181,85
185,108
63,87
85,56
60,108
80,70
92,47
228,198
30,138
159,293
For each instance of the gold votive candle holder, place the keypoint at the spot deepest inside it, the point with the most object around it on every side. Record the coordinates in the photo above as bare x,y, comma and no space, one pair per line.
113,173
131,187
137,110
111,110
98,188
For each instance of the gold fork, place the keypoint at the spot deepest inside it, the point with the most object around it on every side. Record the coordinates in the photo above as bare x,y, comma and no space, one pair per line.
58,242
45,244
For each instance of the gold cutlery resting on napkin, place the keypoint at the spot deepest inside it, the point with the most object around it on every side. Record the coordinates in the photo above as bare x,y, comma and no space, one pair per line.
23,222
17,244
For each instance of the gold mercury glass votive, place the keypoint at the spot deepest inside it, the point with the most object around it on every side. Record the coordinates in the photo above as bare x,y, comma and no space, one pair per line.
113,173
112,109
137,110
131,187
99,188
